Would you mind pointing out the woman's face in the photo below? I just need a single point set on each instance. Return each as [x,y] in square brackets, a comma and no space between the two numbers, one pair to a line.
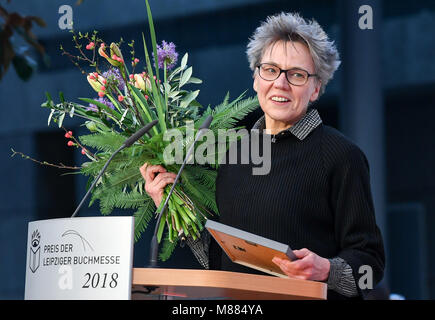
[293,100]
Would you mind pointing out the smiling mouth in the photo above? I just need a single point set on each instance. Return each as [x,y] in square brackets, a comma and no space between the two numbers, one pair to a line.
[280,99]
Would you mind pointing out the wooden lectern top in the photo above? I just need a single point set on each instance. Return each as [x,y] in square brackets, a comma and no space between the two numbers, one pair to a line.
[212,284]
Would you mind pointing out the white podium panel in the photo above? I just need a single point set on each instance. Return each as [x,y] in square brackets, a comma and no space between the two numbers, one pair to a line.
[80,258]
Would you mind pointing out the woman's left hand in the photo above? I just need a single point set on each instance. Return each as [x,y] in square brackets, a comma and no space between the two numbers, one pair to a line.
[309,266]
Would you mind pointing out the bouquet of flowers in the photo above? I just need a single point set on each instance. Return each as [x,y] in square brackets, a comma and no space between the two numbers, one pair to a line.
[127,100]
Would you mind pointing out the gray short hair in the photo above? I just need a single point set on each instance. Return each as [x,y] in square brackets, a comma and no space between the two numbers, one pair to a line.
[292,27]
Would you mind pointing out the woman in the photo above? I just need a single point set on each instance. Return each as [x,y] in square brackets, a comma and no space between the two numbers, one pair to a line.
[316,197]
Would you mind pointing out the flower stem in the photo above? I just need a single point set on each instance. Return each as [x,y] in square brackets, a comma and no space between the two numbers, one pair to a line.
[135,109]
[164,88]
[44,163]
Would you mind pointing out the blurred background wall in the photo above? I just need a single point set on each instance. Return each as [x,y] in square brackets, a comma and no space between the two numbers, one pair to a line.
[382,97]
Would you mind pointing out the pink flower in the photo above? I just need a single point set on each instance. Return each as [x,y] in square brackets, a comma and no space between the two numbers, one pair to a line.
[101,94]
[135,62]
[139,83]
[96,81]
[70,143]
[115,58]
[120,98]
[83,151]
[90,46]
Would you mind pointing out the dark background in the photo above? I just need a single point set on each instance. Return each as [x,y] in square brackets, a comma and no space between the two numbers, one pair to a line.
[393,125]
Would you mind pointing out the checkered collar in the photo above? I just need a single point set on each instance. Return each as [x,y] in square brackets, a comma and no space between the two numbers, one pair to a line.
[301,129]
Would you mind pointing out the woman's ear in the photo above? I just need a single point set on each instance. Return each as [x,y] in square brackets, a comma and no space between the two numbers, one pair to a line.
[316,91]
[255,84]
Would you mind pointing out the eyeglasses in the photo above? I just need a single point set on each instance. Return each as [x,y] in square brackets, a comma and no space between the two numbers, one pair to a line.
[295,76]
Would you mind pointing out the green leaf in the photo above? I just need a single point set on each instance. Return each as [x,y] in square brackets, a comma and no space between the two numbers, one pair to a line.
[60,120]
[123,178]
[48,97]
[102,106]
[199,192]
[167,248]
[49,102]
[142,217]
[194,80]
[115,103]
[155,91]
[167,87]
[186,76]
[50,116]
[107,141]
[140,99]
[227,116]
[153,37]
[120,199]
[71,113]
[174,73]
[184,61]
[161,227]
[189,98]
[173,94]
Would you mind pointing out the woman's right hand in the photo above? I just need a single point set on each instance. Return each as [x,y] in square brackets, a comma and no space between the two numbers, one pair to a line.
[156,179]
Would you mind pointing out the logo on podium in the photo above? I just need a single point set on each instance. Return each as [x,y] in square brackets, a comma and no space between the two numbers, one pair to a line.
[35,252]
[80,258]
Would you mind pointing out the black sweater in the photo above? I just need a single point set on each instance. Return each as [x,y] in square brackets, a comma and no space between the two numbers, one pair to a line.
[316,196]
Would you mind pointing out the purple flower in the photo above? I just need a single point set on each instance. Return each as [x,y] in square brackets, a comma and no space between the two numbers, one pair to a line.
[93,107]
[113,77]
[166,52]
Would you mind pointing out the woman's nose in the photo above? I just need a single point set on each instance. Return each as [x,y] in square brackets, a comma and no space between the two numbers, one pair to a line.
[281,81]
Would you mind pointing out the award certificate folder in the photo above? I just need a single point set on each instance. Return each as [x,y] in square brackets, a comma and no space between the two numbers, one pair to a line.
[249,249]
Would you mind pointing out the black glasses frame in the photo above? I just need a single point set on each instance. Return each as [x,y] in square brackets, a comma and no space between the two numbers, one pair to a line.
[285,72]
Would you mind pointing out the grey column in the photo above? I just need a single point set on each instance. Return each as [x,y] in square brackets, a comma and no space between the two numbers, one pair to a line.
[361,101]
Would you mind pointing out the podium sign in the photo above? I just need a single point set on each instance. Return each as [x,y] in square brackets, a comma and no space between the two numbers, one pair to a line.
[80,258]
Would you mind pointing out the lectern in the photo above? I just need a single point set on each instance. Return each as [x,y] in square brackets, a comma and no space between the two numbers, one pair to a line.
[92,258]
[150,283]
